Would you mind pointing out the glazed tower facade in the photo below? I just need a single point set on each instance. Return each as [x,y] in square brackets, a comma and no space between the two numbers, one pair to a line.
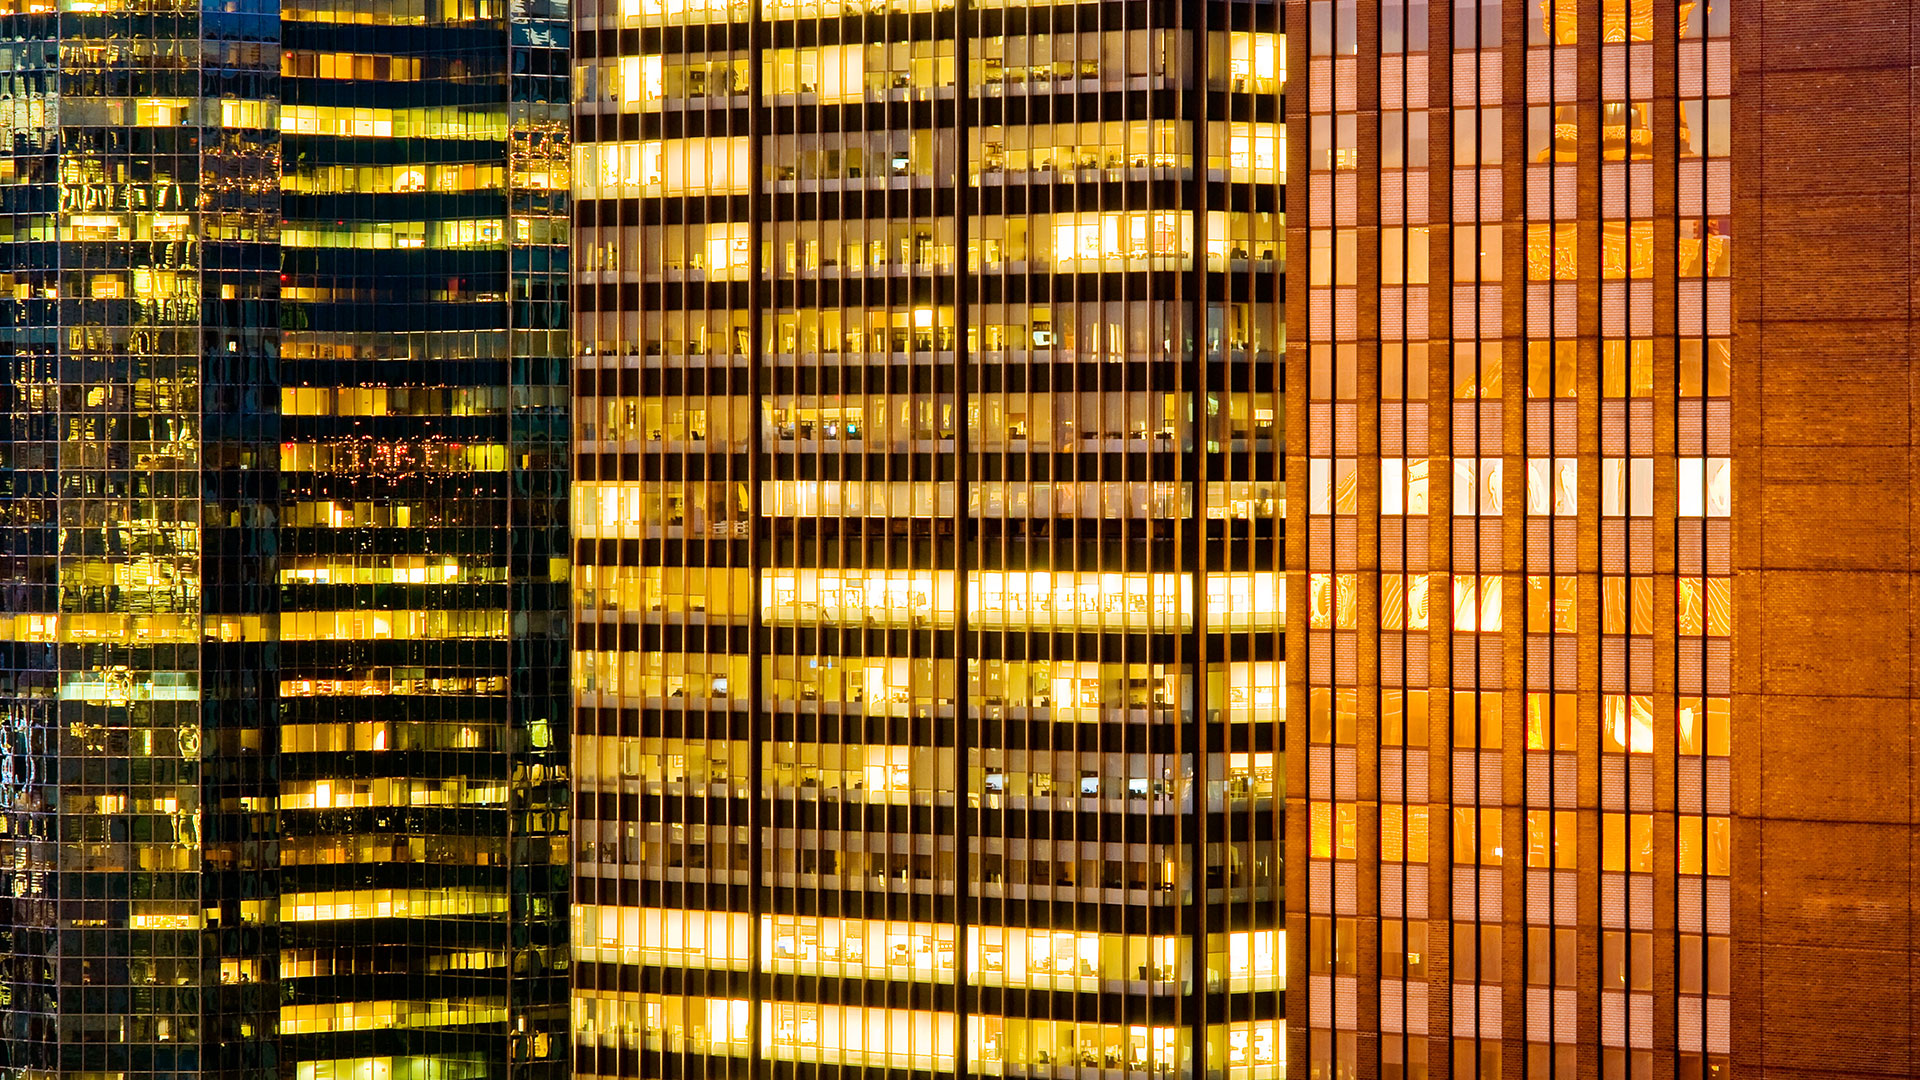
[1510,396]
[927,527]
[422,665]
[139,164]
[286,577]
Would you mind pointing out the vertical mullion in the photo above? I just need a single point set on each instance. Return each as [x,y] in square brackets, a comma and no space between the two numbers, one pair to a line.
[1194,19]
[758,731]
[964,730]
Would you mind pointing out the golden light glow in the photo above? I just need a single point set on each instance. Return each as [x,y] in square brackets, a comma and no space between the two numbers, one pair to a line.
[376,67]
[236,113]
[398,681]
[81,629]
[386,1014]
[832,73]
[394,625]
[661,937]
[389,791]
[1091,241]
[389,904]
[440,122]
[1010,599]
[394,570]
[713,166]
[379,457]
[394,178]
[1256,63]
[388,235]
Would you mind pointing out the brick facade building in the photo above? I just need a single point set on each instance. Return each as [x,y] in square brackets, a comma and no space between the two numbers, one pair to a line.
[1825,129]
[1605,767]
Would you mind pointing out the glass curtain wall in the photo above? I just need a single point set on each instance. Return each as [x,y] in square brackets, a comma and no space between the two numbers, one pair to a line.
[138,319]
[421,558]
[285,634]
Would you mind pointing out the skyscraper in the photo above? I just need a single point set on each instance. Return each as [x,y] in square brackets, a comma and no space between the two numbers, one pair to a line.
[1509,386]
[285,753]
[927,521]
[139,323]
[423,650]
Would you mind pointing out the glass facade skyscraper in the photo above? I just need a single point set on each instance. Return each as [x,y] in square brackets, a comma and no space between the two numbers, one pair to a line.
[422,556]
[927,524]
[285,747]
[139,162]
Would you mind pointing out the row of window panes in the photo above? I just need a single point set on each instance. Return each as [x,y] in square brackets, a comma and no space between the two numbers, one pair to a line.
[1552,956]
[1705,486]
[1112,332]
[874,71]
[1085,241]
[1627,366]
[882,771]
[1553,721]
[1245,152]
[997,956]
[899,1038]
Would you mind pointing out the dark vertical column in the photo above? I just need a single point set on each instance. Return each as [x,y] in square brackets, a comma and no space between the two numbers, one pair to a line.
[30,430]
[758,892]
[965,731]
[1195,738]
[240,484]
[538,435]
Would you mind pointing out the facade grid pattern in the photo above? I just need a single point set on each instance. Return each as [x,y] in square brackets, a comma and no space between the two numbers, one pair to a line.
[282,464]
[928,529]
[1514,401]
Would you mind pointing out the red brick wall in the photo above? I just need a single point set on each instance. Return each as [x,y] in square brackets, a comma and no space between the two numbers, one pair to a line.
[1825,132]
